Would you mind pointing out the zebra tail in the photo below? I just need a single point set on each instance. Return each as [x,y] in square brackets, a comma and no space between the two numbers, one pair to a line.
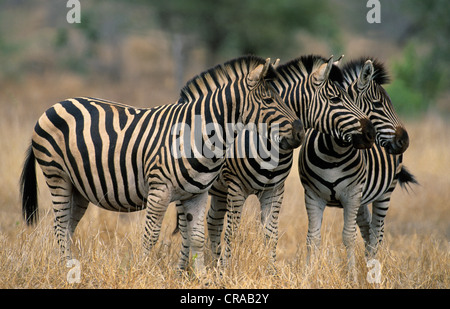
[28,189]
[405,179]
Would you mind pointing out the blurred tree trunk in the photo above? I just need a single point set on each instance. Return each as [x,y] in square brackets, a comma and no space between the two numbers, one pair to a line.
[180,49]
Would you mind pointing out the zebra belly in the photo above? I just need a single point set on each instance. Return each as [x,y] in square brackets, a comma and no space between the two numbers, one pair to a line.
[252,176]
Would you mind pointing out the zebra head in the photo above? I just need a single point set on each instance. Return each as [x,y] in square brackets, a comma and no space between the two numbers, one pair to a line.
[363,80]
[264,105]
[309,85]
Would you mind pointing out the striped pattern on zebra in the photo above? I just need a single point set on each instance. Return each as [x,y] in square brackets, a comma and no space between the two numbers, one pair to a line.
[334,173]
[121,158]
[308,86]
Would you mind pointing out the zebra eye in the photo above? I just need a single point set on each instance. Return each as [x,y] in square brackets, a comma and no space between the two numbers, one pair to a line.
[335,100]
[269,101]
[377,104]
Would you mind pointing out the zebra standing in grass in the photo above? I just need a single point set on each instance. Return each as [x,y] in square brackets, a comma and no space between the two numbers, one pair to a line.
[334,173]
[307,85]
[122,158]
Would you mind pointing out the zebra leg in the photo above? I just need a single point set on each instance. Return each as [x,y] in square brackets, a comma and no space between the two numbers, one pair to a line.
[271,201]
[351,207]
[69,207]
[363,220]
[314,208]
[182,225]
[61,190]
[159,198]
[235,202]
[379,210]
[194,211]
[79,207]
[215,218]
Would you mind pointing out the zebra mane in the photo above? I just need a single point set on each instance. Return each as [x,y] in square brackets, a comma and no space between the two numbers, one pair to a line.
[352,69]
[220,75]
[310,63]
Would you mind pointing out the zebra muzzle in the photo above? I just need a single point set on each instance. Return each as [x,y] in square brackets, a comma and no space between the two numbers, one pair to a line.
[399,143]
[296,137]
[366,138]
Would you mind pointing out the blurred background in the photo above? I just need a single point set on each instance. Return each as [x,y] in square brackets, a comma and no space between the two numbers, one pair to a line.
[143,52]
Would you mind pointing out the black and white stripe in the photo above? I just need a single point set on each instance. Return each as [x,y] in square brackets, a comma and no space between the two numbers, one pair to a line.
[309,86]
[334,173]
[121,158]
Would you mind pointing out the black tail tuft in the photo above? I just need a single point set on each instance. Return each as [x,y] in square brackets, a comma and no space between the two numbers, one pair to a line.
[28,189]
[405,178]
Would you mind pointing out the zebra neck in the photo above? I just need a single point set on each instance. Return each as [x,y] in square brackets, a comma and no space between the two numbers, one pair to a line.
[330,146]
[290,85]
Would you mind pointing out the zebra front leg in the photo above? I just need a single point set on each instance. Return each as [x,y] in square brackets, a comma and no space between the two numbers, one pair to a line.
[182,226]
[194,210]
[215,219]
[363,220]
[271,201]
[379,211]
[349,232]
[314,208]
[235,202]
[159,198]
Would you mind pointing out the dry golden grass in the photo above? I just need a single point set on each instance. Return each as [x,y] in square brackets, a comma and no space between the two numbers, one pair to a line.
[415,253]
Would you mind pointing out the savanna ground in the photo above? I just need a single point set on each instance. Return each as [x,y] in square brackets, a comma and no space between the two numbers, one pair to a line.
[414,254]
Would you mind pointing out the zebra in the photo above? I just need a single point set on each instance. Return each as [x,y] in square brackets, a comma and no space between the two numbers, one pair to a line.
[308,85]
[123,159]
[333,173]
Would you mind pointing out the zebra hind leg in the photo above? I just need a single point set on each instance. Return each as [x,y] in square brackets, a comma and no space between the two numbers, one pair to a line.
[69,207]
[194,232]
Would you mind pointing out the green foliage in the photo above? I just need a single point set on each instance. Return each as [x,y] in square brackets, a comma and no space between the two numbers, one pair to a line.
[407,101]
[418,81]
[249,26]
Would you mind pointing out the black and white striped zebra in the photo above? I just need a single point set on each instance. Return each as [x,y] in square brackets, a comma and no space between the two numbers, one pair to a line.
[334,173]
[308,86]
[122,158]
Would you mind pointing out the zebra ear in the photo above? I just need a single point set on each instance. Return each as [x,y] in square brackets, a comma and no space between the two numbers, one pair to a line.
[258,73]
[322,73]
[276,63]
[366,74]
[339,60]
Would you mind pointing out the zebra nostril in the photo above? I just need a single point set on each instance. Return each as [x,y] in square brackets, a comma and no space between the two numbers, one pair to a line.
[370,135]
[401,138]
[368,131]
[297,129]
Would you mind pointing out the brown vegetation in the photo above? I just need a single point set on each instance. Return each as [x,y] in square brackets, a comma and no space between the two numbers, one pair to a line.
[415,253]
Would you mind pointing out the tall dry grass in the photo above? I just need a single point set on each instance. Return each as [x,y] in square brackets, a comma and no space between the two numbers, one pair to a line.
[415,252]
